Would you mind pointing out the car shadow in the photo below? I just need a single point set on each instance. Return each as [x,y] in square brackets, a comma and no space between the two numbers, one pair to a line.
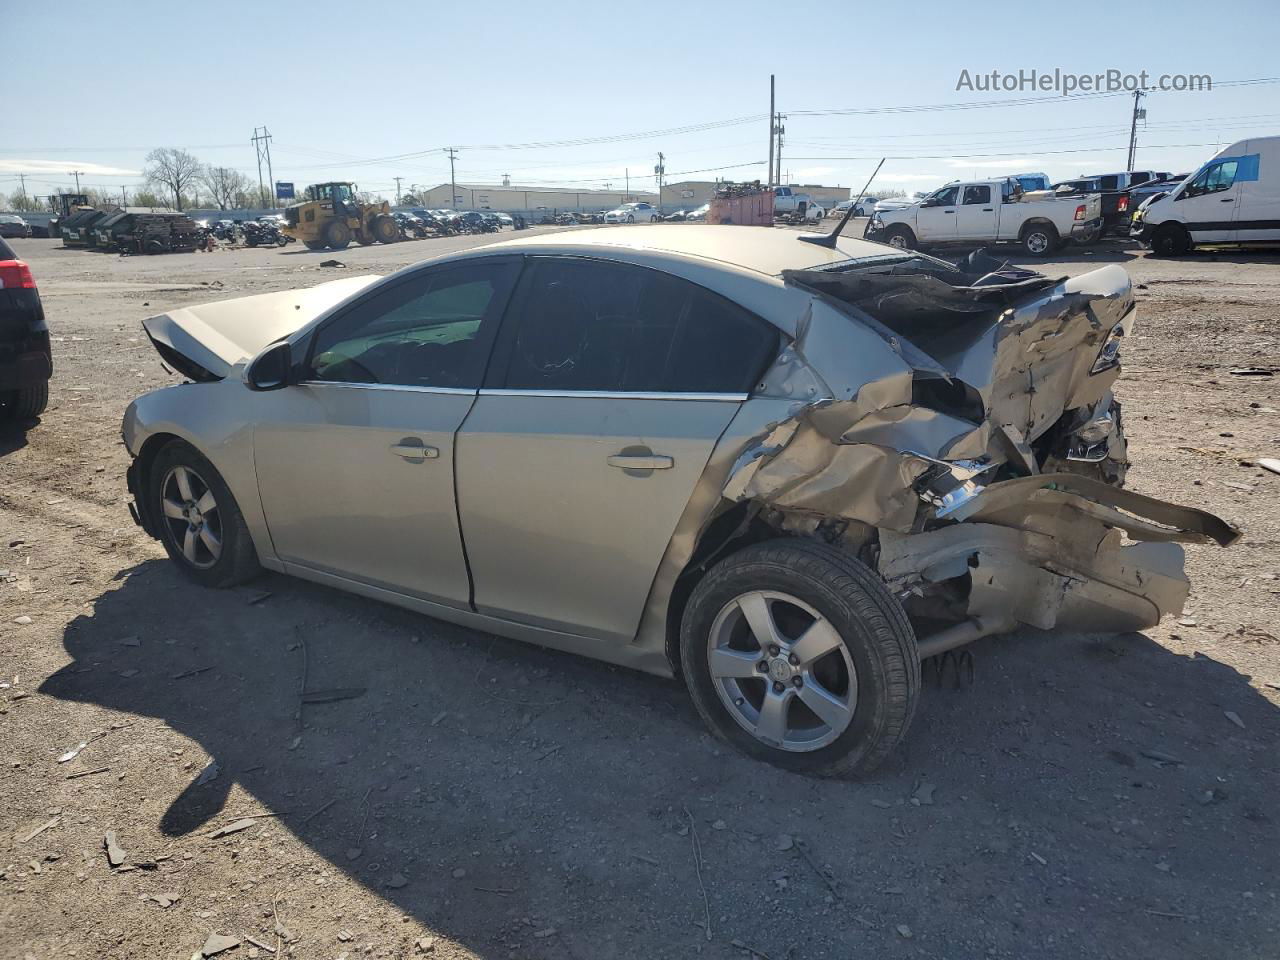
[13,432]
[474,782]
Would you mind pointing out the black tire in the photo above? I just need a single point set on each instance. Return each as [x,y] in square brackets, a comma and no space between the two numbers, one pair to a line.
[905,239]
[337,235]
[282,241]
[27,403]
[364,238]
[313,244]
[1170,240]
[385,229]
[1039,239]
[631,218]
[250,241]
[873,629]
[238,560]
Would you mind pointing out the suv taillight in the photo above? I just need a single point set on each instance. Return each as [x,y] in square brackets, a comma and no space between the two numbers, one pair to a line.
[1080,212]
[15,275]
[1123,205]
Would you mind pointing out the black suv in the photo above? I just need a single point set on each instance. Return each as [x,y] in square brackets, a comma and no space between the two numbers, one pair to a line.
[26,363]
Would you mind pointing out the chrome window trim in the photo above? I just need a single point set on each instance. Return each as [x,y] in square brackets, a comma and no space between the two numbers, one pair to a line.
[615,395]
[407,388]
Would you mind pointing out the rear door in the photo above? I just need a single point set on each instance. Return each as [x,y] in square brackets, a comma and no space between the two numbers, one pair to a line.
[977,215]
[608,390]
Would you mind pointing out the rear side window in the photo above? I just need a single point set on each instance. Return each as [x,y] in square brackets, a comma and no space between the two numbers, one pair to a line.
[1109,182]
[6,251]
[977,194]
[590,325]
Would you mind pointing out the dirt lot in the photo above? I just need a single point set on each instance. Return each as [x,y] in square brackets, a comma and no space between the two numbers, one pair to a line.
[1087,796]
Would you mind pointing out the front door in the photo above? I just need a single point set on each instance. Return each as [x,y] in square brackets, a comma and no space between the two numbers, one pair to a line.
[936,216]
[1258,205]
[608,390]
[355,463]
[976,217]
[1207,205]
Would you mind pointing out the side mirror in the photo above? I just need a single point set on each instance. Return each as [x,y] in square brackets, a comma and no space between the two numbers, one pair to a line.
[269,370]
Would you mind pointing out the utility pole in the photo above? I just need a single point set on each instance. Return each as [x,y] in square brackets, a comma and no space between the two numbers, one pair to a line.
[782,129]
[658,171]
[397,180]
[627,173]
[76,174]
[1138,114]
[262,147]
[453,180]
[22,186]
[772,131]
[124,198]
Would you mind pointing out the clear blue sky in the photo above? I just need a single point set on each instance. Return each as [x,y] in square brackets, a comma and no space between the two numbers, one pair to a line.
[342,86]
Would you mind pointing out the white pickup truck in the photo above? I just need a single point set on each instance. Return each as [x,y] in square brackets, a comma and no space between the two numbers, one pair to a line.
[787,202]
[988,211]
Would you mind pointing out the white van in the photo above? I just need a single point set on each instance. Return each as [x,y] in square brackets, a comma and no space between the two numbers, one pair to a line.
[1232,199]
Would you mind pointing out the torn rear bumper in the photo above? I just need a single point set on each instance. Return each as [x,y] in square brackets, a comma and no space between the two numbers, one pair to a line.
[1047,551]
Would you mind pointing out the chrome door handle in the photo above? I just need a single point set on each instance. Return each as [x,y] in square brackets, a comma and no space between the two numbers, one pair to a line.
[411,449]
[651,461]
[988,209]
[1227,200]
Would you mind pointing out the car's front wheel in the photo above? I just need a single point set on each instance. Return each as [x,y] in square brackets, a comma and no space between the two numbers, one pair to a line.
[797,654]
[199,521]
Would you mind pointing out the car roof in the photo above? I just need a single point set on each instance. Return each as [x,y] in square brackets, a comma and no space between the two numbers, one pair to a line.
[767,250]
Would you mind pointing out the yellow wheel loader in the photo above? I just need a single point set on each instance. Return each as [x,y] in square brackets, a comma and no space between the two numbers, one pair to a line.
[332,217]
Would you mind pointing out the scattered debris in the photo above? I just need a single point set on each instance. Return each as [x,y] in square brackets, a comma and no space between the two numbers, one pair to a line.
[24,619]
[330,696]
[1039,859]
[882,804]
[258,597]
[87,773]
[218,943]
[459,873]
[500,891]
[545,932]
[208,774]
[115,853]
[397,881]
[697,867]
[244,823]
[1170,916]
[190,673]
[785,842]
[425,944]
[332,263]
[1268,463]
[904,931]
[751,950]
[1160,756]
[346,936]
[312,816]
[719,825]
[166,900]
[652,861]
[133,641]
[1247,371]
[923,795]
[822,874]
[259,944]
[1234,718]
[47,825]
[435,722]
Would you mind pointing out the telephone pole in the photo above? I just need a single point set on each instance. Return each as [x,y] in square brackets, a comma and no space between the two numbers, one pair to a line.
[1138,114]
[769,175]
[76,174]
[778,156]
[627,174]
[397,180]
[658,171]
[453,180]
[22,186]
[262,147]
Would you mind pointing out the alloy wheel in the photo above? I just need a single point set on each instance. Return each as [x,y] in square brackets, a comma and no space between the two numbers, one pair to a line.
[191,514]
[782,671]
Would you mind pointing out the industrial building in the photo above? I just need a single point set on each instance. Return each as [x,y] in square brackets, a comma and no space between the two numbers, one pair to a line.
[684,195]
[488,196]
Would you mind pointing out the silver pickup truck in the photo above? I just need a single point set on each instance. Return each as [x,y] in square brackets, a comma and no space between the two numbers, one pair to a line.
[983,212]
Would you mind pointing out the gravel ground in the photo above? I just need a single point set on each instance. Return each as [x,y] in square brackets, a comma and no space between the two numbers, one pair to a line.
[1086,796]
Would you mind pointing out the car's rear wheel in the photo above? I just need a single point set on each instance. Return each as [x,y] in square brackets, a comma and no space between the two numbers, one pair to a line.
[1040,239]
[313,244]
[797,654]
[28,402]
[199,521]
[337,235]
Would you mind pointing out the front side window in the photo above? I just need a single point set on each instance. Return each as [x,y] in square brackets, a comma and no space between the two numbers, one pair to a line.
[945,197]
[592,325]
[1213,179]
[433,330]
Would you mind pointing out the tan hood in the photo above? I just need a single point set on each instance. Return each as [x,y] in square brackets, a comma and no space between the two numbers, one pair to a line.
[204,342]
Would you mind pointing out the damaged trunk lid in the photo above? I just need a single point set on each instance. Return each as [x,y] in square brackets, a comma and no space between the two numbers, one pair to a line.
[205,342]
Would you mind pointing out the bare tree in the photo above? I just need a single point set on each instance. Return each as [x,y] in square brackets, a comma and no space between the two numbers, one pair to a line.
[145,198]
[24,202]
[225,184]
[172,170]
